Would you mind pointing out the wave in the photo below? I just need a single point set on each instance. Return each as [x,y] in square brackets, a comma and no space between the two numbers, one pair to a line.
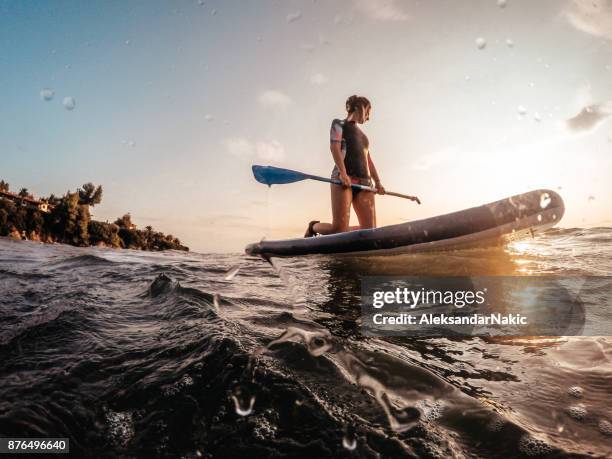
[23,275]
[79,261]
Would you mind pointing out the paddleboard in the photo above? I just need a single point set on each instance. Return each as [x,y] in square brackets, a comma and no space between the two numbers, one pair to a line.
[495,223]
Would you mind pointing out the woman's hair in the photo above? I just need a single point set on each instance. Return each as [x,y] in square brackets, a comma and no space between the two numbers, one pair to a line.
[353,102]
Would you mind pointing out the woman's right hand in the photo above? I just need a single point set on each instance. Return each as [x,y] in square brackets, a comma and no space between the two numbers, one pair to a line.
[345,179]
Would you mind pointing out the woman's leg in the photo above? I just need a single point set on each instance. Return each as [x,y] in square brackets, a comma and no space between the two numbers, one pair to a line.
[341,211]
[365,207]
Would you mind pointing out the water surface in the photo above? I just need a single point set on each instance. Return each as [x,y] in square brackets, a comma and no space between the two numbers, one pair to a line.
[174,354]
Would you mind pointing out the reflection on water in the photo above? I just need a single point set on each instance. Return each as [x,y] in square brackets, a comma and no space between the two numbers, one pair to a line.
[522,380]
[194,355]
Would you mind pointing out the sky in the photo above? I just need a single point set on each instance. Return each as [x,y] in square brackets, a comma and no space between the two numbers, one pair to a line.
[168,104]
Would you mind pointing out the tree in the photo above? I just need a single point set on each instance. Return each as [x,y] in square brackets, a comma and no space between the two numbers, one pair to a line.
[106,233]
[132,239]
[70,220]
[53,200]
[4,186]
[125,221]
[4,219]
[89,195]
[24,193]
[34,221]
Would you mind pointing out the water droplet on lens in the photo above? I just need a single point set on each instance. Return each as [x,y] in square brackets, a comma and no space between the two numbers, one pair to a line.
[47,94]
[243,403]
[605,427]
[481,43]
[509,43]
[545,200]
[577,412]
[208,117]
[502,3]
[591,198]
[537,117]
[292,17]
[539,217]
[522,111]
[575,391]
[349,443]
[318,345]
[213,12]
[532,446]
[232,273]
[69,103]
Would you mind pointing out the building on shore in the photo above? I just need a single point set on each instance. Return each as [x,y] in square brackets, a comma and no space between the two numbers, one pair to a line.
[41,205]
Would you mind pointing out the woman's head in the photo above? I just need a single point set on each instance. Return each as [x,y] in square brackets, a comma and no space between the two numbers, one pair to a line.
[358,108]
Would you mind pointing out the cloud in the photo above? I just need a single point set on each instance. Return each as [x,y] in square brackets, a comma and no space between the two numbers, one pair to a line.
[382,10]
[590,117]
[590,16]
[270,151]
[273,99]
[318,79]
[243,148]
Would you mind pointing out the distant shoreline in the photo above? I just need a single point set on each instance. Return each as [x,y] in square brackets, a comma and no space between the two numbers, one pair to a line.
[67,220]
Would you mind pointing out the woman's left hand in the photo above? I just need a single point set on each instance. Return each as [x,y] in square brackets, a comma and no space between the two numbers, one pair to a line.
[379,188]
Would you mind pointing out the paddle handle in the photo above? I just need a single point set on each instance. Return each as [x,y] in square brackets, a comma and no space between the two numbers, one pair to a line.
[405,196]
[364,188]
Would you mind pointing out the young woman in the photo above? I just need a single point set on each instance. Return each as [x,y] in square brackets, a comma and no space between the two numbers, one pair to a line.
[350,150]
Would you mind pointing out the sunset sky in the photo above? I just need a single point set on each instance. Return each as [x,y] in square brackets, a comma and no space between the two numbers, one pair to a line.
[174,101]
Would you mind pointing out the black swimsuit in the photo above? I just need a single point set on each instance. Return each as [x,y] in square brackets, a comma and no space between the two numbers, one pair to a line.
[354,146]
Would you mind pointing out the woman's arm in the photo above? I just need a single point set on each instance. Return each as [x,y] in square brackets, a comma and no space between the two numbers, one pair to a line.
[335,138]
[374,174]
[336,150]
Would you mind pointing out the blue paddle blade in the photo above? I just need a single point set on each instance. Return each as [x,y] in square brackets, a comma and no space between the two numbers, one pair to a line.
[270,175]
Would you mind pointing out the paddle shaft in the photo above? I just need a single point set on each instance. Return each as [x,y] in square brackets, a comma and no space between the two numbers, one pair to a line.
[362,187]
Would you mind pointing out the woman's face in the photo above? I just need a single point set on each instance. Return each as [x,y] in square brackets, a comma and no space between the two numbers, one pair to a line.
[364,114]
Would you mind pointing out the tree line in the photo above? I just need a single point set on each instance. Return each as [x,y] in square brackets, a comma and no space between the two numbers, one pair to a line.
[69,222]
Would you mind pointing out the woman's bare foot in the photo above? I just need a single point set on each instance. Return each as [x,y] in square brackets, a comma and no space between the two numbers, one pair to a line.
[310,232]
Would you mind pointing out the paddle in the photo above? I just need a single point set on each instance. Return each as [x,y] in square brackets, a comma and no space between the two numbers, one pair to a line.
[270,175]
